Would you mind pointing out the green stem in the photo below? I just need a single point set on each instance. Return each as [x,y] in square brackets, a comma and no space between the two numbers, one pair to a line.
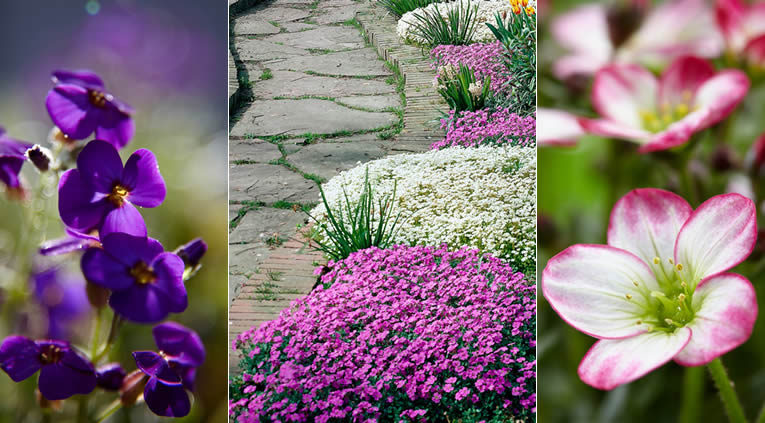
[693,389]
[109,410]
[761,415]
[115,327]
[727,394]
[96,333]
[82,410]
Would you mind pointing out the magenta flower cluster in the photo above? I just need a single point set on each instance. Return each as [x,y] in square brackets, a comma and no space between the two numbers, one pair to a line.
[407,333]
[484,59]
[482,127]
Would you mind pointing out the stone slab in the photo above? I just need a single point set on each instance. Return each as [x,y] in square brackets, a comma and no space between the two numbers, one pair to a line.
[329,159]
[362,62]
[258,225]
[372,102]
[333,15]
[296,26]
[333,38]
[297,117]
[297,84]
[269,184]
[252,50]
[257,151]
[251,26]
[275,13]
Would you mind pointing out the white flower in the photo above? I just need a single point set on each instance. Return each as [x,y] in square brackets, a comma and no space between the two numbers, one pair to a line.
[486,13]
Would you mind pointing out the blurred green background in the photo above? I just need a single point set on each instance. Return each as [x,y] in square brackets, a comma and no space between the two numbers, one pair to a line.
[168,60]
[577,188]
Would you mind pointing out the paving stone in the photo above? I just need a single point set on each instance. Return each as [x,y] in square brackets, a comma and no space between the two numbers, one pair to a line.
[233,211]
[329,159]
[252,26]
[296,26]
[345,63]
[297,117]
[257,151]
[337,3]
[275,13]
[291,2]
[269,183]
[235,283]
[258,225]
[333,15]
[372,102]
[296,84]
[259,50]
[333,38]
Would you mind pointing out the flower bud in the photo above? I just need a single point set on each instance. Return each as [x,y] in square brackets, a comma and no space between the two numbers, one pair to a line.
[110,376]
[132,387]
[724,158]
[40,156]
[192,252]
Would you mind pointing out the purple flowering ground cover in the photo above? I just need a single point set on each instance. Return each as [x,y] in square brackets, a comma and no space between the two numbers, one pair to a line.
[484,59]
[487,127]
[403,334]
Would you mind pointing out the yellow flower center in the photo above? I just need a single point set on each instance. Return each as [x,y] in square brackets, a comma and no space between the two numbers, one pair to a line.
[118,195]
[143,273]
[50,354]
[97,98]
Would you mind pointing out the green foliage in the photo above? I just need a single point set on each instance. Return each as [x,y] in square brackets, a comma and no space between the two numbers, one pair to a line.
[519,36]
[351,228]
[456,29]
[455,88]
[399,7]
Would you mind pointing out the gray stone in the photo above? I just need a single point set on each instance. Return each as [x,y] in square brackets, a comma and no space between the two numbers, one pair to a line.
[259,50]
[258,225]
[345,63]
[296,84]
[337,3]
[372,102]
[290,2]
[257,151]
[329,159]
[235,283]
[326,37]
[233,211]
[275,13]
[269,183]
[297,26]
[332,15]
[297,117]
[254,27]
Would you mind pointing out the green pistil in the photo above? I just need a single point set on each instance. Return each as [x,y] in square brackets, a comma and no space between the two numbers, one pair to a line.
[671,306]
[658,120]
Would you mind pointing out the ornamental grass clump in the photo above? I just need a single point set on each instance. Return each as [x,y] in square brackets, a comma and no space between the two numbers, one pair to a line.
[405,334]
[399,7]
[487,127]
[456,27]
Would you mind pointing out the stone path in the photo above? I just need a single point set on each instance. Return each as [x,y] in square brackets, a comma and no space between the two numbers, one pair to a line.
[313,98]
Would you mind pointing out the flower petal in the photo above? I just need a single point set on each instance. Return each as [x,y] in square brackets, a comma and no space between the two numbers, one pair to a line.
[556,127]
[646,222]
[140,304]
[125,219]
[730,18]
[166,400]
[65,245]
[613,362]
[727,310]
[84,78]
[100,166]
[587,286]
[78,206]
[19,357]
[62,380]
[70,109]
[130,249]
[169,269]
[621,92]
[105,270]
[155,366]
[143,180]
[611,129]
[584,30]
[755,52]
[720,234]
[115,127]
[180,342]
[681,79]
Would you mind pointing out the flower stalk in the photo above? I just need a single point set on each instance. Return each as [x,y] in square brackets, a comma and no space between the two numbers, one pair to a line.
[727,394]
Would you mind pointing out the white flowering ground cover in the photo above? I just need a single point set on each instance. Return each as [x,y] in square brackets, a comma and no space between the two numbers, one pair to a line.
[486,13]
[478,197]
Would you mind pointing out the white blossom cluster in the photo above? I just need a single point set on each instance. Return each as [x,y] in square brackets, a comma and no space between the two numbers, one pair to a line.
[478,197]
[486,12]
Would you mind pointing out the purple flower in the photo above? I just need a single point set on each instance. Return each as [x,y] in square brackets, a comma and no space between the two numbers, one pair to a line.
[73,241]
[12,157]
[110,376]
[171,370]
[101,193]
[192,252]
[146,282]
[79,106]
[63,371]
[63,298]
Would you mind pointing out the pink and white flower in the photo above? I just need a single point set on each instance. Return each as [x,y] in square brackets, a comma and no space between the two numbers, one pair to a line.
[662,113]
[743,28]
[659,290]
[673,29]
[557,128]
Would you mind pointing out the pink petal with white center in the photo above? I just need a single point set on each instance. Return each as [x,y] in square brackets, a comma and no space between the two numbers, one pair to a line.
[678,84]
[621,92]
[611,129]
[556,127]
[584,31]
[727,310]
[720,234]
[729,15]
[754,21]
[613,362]
[592,288]
[646,222]
[755,52]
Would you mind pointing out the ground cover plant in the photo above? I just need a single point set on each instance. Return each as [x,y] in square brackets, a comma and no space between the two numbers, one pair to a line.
[487,127]
[403,334]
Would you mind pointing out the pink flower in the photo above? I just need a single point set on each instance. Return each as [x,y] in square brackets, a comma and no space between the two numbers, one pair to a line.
[558,128]
[672,29]
[743,28]
[660,114]
[658,291]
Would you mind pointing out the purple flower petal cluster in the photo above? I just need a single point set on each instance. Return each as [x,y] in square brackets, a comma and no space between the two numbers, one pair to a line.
[482,127]
[63,299]
[12,157]
[404,333]
[484,59]
[79,105]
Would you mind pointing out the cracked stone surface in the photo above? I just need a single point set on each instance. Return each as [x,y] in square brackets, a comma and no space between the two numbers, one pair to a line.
[255,27]
[259,50]
[333,15]
[297,26]
[329,159]
[295,117]
[276,13]
[262,223]
[372,102]
[324,37]
[257,151]
[269,184]
[345,63]
[296,84]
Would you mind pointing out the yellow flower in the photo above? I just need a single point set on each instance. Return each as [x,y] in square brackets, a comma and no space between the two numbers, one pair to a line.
[530,11]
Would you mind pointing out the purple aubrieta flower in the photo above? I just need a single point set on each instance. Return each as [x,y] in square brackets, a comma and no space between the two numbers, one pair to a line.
[71,242]
[79,106]
[11,159]
[101,192]
[63,371]
[171,369]
[146,282]
[110,376]
[64,299]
